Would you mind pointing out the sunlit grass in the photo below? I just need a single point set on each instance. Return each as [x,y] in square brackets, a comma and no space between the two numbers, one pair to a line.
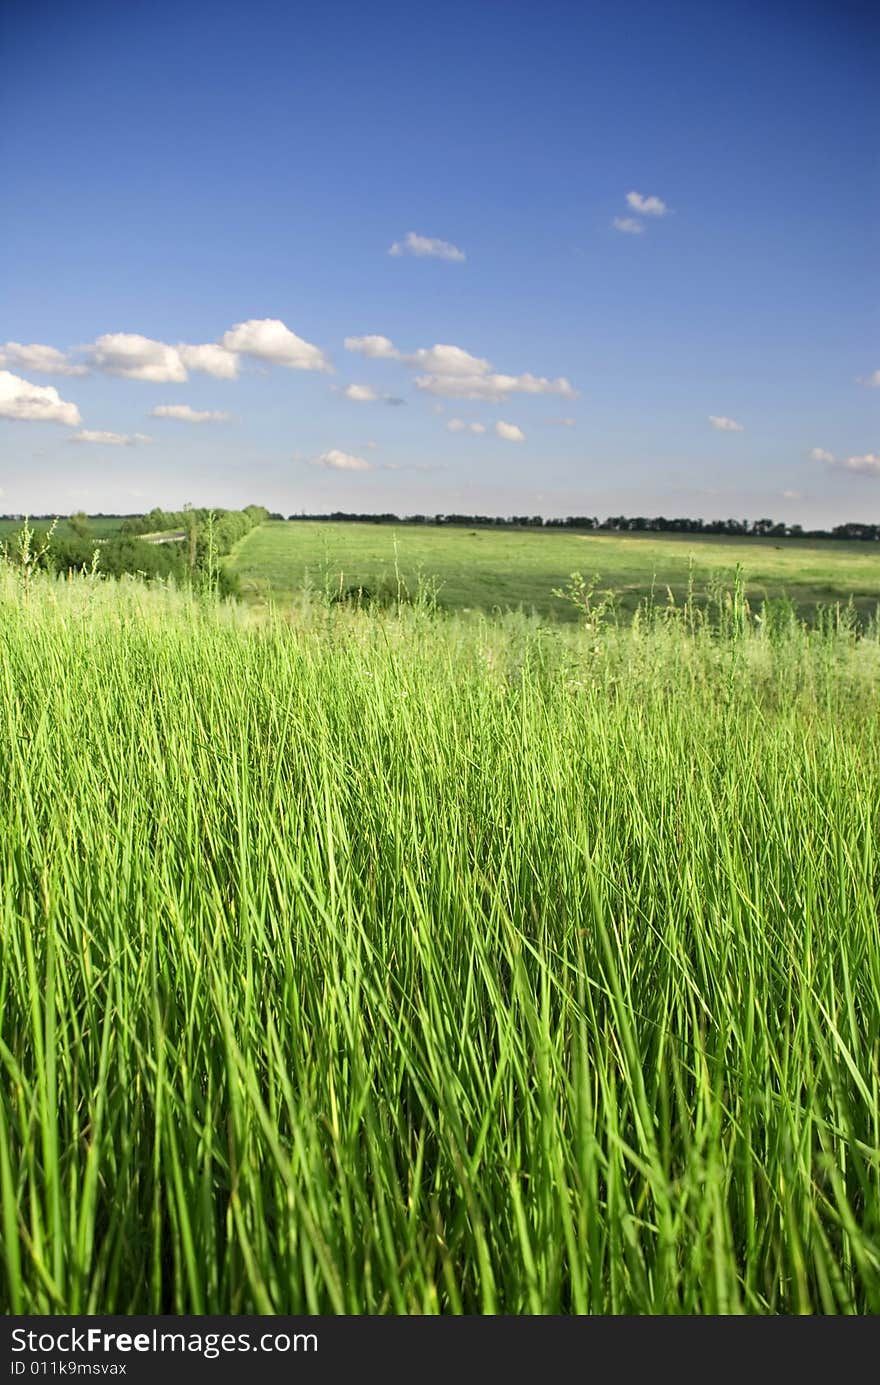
[398,963]
[496,569]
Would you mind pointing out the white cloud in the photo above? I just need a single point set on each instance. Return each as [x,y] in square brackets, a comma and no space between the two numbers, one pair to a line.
[135,357]
[129,355]
[869,464]
[20,399]
[374,347]
[110,439]
[184,414]
[819,454]
[138,358]
[342,461]
[872,380]
[792,495]
[43,360]
[268,339]
[448,360]
[492,387]
[629,224]
[648,206]
[458,374]
[458,425]
[509,432]
[370,446]
[360,394]
[423,246]
[211,359]
[562,422]
[725,425]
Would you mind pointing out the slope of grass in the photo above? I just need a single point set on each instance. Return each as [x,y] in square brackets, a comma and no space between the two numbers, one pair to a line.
[390,963]
[489,569]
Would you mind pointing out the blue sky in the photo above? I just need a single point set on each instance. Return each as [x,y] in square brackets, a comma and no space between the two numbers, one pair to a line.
[629,221]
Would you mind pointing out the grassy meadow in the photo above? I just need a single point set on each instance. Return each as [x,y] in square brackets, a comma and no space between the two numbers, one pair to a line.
[399,961]
[99,526]
[500,570]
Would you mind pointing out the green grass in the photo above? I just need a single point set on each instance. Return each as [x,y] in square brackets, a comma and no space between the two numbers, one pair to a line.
[399,963]
[505,570]
[99,527]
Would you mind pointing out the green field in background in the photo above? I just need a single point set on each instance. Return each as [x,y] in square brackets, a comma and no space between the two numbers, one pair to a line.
[504,569]
[100,526]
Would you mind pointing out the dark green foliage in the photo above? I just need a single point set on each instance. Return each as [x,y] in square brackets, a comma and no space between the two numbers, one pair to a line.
[229,525]
[118,556]
[210,535]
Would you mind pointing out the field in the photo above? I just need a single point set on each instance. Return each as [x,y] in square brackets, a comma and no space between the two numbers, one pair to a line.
[101,526]
[393,961]
[502,570]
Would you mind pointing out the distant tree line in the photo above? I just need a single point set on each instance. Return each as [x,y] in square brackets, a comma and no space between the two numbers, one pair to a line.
[231,525]
[619,524]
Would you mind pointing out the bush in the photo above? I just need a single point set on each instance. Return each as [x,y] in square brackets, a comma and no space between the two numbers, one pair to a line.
[216,533]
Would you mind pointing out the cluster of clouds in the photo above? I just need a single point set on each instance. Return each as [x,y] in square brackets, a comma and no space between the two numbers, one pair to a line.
[453,373]
[131,356]
[868,464]
[443,370]
[645,206]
